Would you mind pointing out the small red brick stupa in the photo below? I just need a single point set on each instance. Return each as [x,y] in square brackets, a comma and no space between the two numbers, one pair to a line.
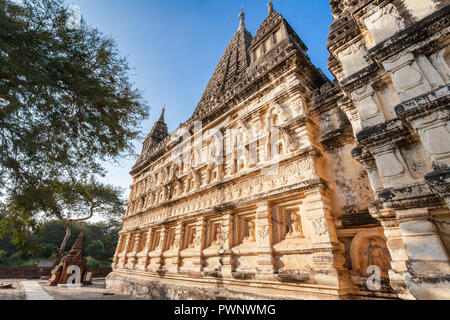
[75,257]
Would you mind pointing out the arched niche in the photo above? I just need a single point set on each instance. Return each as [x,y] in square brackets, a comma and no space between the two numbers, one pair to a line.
[369,248]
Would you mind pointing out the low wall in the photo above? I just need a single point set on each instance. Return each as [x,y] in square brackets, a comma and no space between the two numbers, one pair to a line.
[36,273]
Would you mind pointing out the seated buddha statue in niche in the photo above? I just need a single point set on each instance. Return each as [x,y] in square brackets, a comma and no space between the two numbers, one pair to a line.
[217,235]
[250,233]
[295,228]
[192,238]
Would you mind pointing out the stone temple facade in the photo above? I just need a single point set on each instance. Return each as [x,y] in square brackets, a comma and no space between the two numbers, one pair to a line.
[286,185]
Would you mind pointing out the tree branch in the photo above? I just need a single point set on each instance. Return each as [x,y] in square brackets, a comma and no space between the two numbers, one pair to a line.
[88,217]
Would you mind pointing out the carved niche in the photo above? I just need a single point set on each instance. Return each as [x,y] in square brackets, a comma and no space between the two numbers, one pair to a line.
[278,139]
[245,229]
[193,180]
[369,248]
[407,77]
[192,237]
[241,155]
[213,232]
[420,8]
[215,162]
[170,239]
[287,224]
[392,167]
[434,130]
[369,106]
[155,240]
[354,58]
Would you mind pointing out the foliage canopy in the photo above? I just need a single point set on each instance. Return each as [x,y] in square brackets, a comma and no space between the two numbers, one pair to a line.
[66,105]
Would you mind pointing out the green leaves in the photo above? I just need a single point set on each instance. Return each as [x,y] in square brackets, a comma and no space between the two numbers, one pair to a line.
[100,241]
[95,249]
[67,104]
[70,101]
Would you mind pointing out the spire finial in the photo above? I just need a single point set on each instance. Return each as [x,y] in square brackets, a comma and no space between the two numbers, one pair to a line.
[270,8]
[161,118]
[78,245]
[242,19]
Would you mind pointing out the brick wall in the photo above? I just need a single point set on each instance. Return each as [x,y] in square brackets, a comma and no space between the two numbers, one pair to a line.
[36,273]
[100,272]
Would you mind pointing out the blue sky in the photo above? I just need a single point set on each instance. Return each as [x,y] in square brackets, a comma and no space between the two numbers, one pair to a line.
[173,47]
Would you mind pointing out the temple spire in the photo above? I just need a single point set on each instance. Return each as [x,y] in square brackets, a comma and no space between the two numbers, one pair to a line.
[78,245]
[157,134]
[270,8]
[161,118]
[241,19]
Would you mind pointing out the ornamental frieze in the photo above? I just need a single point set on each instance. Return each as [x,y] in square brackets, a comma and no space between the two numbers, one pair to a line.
[287,174]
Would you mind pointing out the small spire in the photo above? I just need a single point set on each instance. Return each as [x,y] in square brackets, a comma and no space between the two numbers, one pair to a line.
[161,118]
[78,245]
[242,19]
[270,8]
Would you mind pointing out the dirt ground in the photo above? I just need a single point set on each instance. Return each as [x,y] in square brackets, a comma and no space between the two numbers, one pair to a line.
[96,291]
[16,293]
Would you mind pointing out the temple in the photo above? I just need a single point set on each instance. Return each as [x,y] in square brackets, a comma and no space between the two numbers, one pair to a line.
[286,185]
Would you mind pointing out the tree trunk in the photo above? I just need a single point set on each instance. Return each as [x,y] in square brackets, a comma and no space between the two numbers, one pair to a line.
[67,223]
[60,253]
[66,238]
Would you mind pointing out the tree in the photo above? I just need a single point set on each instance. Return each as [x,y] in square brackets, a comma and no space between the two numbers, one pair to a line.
[80,202]
[3,256]
[107,233]
[49,234]
[95,249]
[74,203]
[66,105]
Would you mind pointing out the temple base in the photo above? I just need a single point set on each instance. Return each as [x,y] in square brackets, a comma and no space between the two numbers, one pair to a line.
[175,287]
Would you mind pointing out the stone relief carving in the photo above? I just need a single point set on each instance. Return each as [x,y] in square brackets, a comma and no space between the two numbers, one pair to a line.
[225,236]
[194,176]
[382,22]
[354,58]
[319,225]
[374,254]
[264,232]
[275,113]
[369,105]
[299,107]
[292,145]
[215,159]
[369,248]
[389,164]
[286,174]
[407,77]
[175,243]
[434,130]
